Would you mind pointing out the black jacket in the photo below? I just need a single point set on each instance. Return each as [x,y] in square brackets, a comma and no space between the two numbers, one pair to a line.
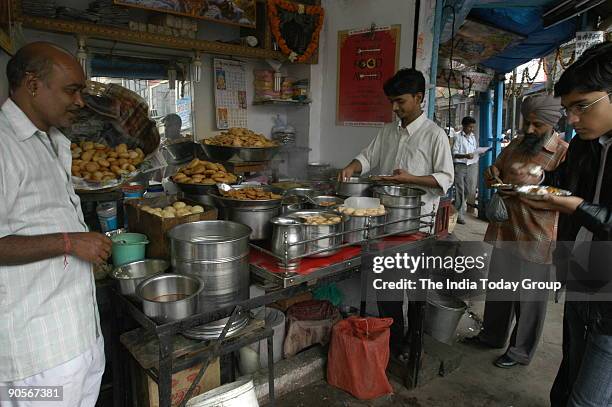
[578,174]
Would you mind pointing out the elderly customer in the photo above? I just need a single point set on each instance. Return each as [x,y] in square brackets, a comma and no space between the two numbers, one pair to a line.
[524,242]
[49,324]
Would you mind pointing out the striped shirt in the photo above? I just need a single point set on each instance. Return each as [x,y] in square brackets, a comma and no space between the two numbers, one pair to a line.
[421,148]
[532,231]
[48,312]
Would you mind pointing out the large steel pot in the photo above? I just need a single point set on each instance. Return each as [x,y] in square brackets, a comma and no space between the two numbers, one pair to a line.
[129,275]
[254,213]
[288,230]
[399,196]
[169,297]
[320,231]
[407,227]
[215,251]
[353,186]
[358,222]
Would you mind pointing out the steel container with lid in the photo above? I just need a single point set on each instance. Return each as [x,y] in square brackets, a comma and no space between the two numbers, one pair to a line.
[215,251]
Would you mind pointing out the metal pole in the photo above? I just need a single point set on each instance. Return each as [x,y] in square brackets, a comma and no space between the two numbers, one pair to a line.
[485,104]
[431,101]
[513,108]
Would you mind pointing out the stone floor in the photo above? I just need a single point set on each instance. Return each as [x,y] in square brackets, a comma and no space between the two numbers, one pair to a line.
[477,382]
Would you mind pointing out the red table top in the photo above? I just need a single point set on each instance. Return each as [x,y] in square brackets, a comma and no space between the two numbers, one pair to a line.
[309,265]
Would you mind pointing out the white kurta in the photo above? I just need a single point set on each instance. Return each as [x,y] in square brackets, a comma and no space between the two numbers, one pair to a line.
[422,148]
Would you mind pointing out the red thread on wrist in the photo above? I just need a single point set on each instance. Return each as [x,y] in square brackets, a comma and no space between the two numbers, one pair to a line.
[67,248]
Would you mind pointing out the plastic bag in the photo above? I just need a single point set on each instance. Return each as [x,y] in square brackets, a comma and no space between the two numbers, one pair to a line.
[496,210]
[308,323]
[358,357]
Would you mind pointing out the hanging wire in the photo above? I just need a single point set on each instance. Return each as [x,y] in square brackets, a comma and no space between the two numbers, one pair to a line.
[451,72]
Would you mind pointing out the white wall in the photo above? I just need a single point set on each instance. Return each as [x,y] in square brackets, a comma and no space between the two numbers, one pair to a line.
[339,144]
[4,57]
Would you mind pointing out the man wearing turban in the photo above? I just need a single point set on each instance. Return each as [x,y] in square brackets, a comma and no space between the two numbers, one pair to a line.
[523,243]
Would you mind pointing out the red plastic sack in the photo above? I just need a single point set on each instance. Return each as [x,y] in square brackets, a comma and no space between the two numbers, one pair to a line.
[358,357]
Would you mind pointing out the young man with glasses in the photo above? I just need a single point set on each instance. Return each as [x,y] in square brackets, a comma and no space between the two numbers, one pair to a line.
[585,227]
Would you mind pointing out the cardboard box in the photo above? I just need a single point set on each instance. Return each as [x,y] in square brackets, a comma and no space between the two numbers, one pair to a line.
[183,379]
[156,227]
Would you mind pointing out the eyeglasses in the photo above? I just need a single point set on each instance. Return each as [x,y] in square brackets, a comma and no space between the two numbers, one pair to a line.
[577,110]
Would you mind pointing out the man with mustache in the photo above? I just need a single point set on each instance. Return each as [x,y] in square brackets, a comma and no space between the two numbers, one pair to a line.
[522,244]
[49,324]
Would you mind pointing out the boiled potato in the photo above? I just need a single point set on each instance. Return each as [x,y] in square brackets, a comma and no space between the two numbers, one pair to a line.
[179,205]
[197,209]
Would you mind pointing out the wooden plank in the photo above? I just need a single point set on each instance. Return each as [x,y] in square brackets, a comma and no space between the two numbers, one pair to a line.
[144,346]
[146,38]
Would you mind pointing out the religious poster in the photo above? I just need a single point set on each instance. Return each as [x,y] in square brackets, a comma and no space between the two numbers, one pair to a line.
[366,59]
[237,12]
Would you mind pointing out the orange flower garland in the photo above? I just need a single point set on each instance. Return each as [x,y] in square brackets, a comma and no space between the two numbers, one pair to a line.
[295,8]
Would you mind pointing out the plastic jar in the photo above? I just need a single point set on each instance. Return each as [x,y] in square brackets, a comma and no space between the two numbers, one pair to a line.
[107,215]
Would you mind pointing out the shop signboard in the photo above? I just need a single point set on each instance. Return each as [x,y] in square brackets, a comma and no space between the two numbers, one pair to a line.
[467,80]
[183,109]
[586,39]
[366,59]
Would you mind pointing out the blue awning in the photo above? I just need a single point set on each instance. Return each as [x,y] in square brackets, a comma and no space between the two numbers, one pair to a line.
[522,17]
[528,22]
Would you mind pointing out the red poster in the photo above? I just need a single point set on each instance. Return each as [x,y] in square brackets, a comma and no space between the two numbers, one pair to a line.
[366,59]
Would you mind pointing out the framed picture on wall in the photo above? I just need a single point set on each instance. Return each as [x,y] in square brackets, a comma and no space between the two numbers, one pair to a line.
[235,12]
[6,41]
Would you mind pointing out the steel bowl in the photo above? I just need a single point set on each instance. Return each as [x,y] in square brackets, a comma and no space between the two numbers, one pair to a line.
[180,152]
[302,191]
[326,201]
[320,231]
[247,154]
[169,297]
[129,275]
[398,196]
[353,186]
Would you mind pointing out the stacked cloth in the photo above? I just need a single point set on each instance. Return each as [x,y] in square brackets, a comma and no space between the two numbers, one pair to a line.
[110,14]
[41,8]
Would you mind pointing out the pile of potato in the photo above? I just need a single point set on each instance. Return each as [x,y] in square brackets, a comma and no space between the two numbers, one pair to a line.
[98,162]
[362,212]
[176,210]
[321,220]
[250,194]
[204,173]
[239,137]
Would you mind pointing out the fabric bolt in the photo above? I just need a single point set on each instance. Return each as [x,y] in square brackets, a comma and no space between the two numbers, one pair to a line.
[48,311]
[421,148]
[79,379]
[545,107]
[532,232]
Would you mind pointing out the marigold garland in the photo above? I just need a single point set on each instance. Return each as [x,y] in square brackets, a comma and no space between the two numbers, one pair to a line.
[295,8]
